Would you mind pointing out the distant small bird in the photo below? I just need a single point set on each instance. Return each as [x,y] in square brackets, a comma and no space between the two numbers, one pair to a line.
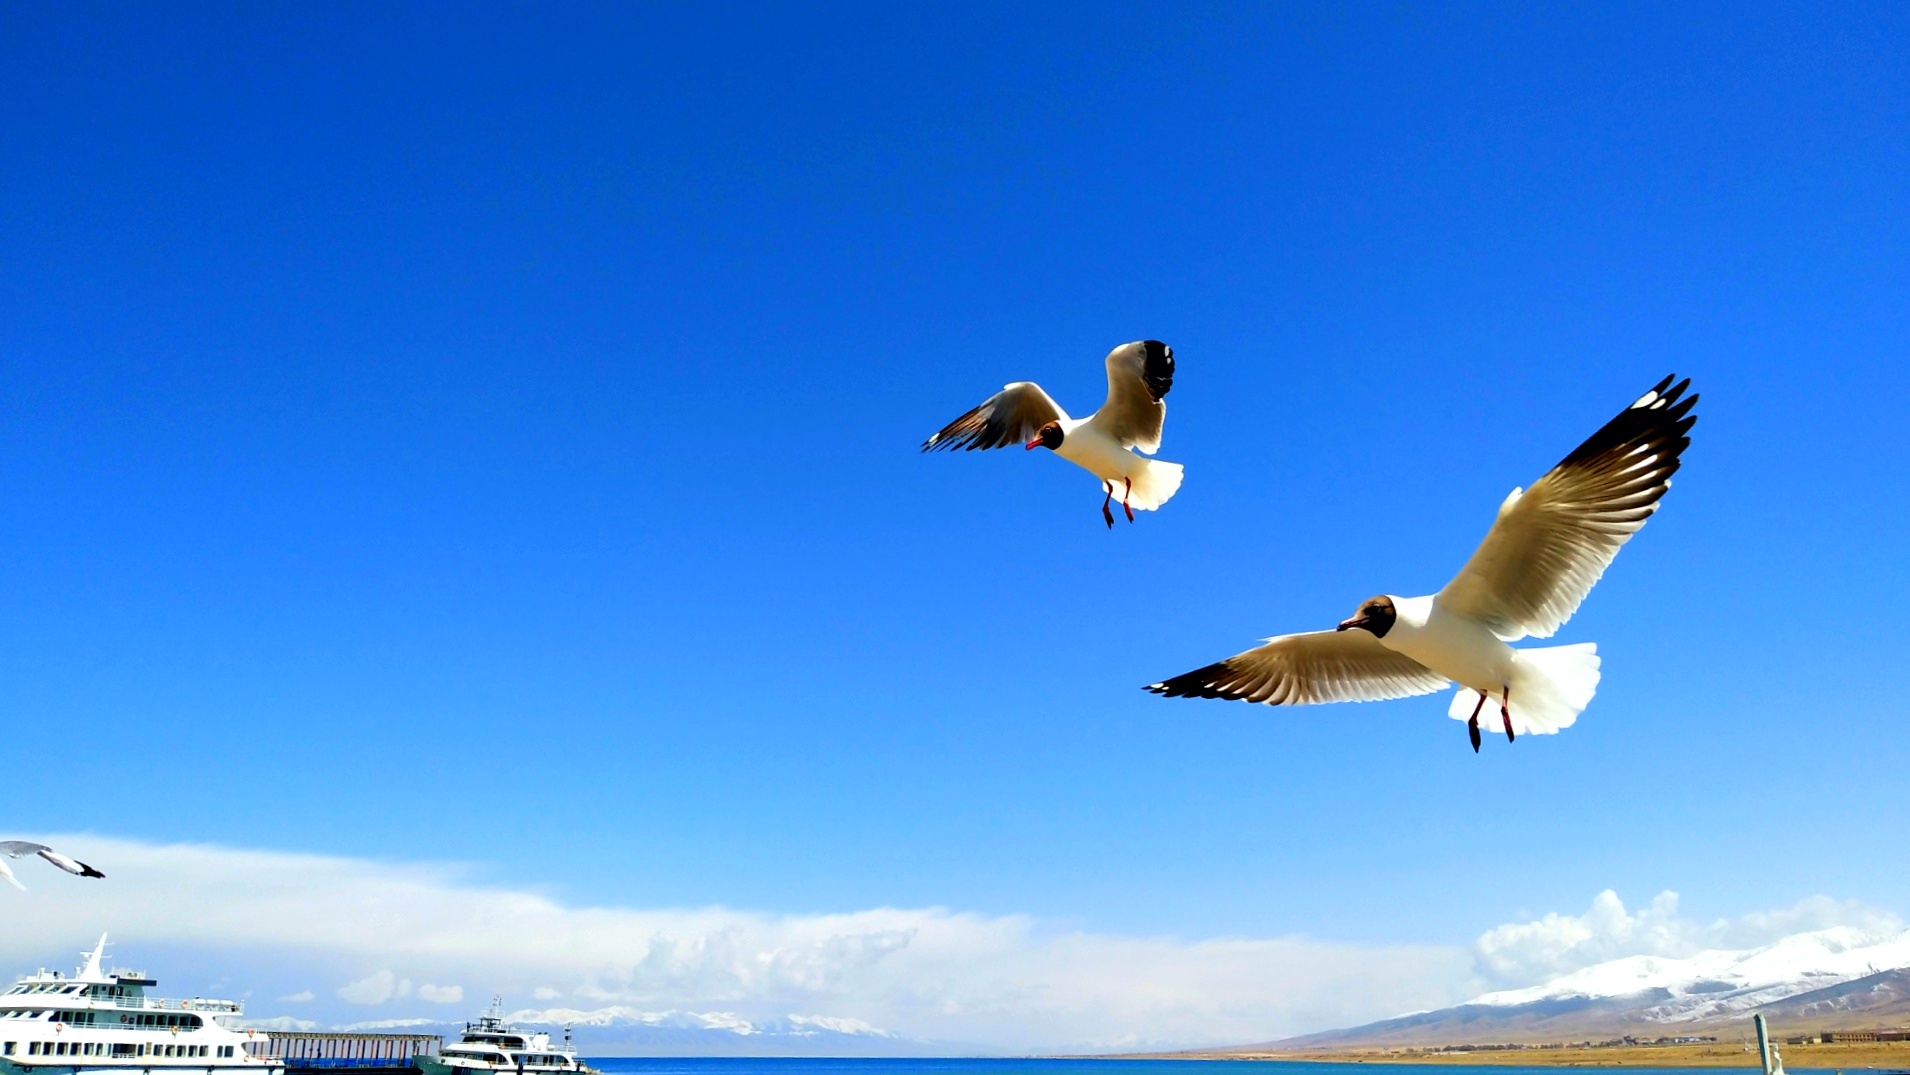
[1548,546]
[19,849]
[1139,375]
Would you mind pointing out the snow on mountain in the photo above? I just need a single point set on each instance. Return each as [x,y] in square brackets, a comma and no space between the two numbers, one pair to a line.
[1722,981]
[1840,976]
[801,1026]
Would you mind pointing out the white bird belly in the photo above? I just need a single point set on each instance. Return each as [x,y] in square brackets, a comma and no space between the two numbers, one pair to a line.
[1097,454]
[1456,647]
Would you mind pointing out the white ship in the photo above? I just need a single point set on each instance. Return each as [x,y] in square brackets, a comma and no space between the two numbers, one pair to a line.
[492,1048]
[98,1021]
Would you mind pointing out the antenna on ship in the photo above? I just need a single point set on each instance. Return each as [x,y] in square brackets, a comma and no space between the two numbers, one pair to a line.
[91,968]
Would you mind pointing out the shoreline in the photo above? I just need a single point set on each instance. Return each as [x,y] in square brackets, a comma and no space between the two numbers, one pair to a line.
[1856,1056]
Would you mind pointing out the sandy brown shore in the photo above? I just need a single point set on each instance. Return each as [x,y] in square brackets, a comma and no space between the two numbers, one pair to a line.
[1884,1056]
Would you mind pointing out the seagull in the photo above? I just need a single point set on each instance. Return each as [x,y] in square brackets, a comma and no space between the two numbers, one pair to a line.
[19,849]
[1139,375]
[1547,547]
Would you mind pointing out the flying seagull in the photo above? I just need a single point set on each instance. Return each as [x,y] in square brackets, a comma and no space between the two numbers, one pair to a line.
[19,849]
[1548,546]
[1139,375]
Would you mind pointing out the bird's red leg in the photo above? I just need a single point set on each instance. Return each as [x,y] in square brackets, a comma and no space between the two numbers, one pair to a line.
[1472,726]
[1106,514]
[1124,495]
[1505,711]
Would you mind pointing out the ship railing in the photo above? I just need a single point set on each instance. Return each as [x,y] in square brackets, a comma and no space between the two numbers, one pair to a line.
[155,1004]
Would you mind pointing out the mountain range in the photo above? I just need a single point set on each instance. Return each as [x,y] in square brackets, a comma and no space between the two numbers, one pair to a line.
[1831,979]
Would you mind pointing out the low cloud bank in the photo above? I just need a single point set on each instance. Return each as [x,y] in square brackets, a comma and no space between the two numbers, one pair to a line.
[1528,953]
[341,941]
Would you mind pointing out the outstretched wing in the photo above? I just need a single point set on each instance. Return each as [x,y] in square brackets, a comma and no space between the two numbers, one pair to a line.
[6,874]
[1306,669]
[19,849]
[1010,416]
[1139,375]
[70,865]
[1551,542]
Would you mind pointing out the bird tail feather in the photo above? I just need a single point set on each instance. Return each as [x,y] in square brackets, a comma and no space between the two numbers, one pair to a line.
[1155,483]
[1551,686]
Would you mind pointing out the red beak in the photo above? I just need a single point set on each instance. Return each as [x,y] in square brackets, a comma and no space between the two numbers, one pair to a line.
[1032,445]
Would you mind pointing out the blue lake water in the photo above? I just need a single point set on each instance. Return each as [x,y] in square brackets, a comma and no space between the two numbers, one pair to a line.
[1010,1066]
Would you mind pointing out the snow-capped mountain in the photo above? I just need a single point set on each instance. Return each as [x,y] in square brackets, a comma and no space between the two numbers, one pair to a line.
[1723,982]
[1826,979]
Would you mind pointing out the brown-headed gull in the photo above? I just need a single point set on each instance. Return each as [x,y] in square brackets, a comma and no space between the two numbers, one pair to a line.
[19,849]
[1548,546]
[1139,375]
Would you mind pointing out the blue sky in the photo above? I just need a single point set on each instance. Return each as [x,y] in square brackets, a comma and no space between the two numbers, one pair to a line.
[487,434]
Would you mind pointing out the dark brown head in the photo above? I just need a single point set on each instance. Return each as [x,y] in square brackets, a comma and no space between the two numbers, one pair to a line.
[1048,437]
[1376,614]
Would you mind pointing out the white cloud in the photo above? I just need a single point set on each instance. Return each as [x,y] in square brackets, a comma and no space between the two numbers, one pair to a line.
[1006,982]
[377,988]
[300,997]
[1526,953]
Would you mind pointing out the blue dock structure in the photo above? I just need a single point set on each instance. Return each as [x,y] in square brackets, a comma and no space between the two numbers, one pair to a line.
[359,1054]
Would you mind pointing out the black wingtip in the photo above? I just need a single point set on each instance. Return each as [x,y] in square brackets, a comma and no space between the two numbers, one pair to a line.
[1664,394]
[1659,419]
[88,871]
[1196,684]
[1157,368]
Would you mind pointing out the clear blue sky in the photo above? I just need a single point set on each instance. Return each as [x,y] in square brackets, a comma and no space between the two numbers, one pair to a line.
[466,432]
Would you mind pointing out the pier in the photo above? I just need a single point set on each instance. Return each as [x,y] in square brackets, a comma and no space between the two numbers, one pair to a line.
[360,1054]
